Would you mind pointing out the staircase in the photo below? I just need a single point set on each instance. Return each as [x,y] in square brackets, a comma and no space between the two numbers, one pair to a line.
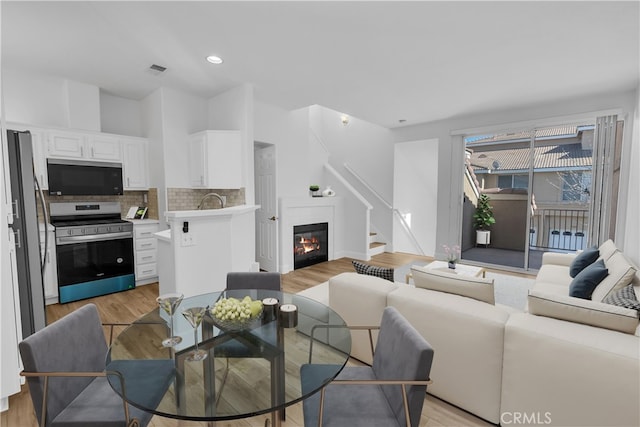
[375,247]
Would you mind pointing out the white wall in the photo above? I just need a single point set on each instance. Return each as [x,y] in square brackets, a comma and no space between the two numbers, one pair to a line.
[36,99]
[289,132]
[120,115]
[233,110]
[368,149]
[83,106]
[182,114]
[11,331]
[151,112]
[631,153]
[415,193]
[451,150]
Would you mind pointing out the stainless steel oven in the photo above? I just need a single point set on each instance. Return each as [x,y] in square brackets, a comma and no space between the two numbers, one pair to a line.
[94,249]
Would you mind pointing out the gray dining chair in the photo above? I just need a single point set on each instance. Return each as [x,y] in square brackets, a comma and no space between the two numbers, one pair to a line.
[253,280]
[64,364]
[378,395]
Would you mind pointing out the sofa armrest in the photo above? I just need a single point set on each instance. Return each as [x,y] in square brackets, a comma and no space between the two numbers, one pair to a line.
[360,300]
[557,258]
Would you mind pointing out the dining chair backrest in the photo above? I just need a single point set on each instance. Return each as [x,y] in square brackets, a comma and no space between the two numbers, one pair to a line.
[401,353]
[74,343]
[253,280]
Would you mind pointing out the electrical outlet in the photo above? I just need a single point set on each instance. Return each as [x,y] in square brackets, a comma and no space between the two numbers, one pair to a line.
[187,240]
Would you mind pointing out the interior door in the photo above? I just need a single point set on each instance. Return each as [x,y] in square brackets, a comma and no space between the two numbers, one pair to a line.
[266,215]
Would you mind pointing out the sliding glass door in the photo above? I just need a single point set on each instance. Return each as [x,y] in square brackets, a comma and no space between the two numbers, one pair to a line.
[538,183]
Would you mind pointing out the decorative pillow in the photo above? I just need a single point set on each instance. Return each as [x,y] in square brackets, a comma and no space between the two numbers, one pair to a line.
[621,273]
[585,282]
[582,311]
[582,260]
[372,270]
[466,286]
[624,297]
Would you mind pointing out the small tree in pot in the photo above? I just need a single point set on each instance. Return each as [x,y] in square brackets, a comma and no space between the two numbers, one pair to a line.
[482,220]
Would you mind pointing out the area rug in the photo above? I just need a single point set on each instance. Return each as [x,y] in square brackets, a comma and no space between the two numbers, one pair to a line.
[509,290]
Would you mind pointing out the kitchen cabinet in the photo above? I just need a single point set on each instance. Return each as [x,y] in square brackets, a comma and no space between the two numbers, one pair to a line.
[135,163]
[215,159]
[145,251]
[80,145]
[50,277]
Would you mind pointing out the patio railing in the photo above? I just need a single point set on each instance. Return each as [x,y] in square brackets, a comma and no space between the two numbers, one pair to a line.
[562,229]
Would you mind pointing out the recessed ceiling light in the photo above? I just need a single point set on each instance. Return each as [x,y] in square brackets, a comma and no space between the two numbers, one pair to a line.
[214,59]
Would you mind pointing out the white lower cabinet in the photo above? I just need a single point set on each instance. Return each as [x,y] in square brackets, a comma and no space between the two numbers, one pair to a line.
[146,252]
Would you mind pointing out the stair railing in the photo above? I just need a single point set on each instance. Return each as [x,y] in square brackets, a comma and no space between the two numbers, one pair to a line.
[348,186]
[409,232]
[367,186]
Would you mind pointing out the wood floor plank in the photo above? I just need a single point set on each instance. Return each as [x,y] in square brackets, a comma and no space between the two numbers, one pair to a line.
[126,307]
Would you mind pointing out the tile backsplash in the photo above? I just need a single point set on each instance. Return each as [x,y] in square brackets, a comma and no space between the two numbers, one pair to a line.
[184,199]
[128,199]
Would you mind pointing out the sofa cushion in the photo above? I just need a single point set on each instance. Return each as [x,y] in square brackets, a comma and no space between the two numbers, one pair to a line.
[623,297]
[558,274]
[586,281]
[583,311]
[467,286]
[583,260]
[372,270]
[621,273]
[607,249]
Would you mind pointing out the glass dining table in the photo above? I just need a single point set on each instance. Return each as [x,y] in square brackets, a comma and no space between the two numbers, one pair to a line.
[249,369]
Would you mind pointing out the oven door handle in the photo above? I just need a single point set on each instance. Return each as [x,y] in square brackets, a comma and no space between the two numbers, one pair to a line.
[69,240]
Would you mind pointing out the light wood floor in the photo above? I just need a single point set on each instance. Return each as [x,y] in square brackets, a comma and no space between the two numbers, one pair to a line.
[127,306]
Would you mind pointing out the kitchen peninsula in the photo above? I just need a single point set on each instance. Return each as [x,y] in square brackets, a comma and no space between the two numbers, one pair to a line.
[202,246]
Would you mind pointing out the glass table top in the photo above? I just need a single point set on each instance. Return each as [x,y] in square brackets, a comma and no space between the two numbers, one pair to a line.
[249,370]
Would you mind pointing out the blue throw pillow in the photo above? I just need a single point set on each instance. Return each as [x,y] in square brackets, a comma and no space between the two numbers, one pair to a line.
[585,282]
[582,260]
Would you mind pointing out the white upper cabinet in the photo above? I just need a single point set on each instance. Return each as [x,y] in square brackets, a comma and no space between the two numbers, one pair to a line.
[215,159]
[135,163]
[103,147]
[65,144]
[78,145]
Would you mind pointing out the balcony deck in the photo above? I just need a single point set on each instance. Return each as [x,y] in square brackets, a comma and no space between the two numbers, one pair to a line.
[503,257]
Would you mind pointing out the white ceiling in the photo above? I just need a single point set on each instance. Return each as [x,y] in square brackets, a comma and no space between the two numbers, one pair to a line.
[378,61]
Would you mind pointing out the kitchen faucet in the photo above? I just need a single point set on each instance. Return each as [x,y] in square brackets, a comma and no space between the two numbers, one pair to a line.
[206,196]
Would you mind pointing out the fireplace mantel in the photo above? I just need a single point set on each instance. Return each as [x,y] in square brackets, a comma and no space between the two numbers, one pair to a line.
[308,210]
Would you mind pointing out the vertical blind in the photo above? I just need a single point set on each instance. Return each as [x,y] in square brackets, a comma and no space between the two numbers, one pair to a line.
[602,189]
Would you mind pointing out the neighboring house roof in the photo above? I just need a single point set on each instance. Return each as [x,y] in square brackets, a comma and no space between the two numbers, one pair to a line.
[567,131]
[566,156]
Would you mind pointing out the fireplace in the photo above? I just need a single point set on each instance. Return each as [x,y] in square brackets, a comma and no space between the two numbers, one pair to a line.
[310,244]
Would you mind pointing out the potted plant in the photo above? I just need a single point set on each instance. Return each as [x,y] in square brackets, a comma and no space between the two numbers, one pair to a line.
[314,189]
[482,220]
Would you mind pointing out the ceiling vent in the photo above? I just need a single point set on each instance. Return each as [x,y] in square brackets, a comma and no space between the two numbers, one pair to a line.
[156,69]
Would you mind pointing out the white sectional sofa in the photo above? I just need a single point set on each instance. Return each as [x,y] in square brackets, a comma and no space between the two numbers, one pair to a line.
[505,366]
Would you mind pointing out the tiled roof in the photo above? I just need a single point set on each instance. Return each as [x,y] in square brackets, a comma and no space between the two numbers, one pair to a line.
[545,157]
[567,131]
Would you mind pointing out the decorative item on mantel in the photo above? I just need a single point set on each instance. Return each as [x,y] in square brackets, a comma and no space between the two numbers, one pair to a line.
[453,254]
[328,192]
[315,190]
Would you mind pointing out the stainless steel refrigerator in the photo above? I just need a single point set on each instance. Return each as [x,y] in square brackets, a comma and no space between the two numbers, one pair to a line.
[29,261]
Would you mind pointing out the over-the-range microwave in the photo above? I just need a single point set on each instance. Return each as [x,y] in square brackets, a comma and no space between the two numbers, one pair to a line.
[84,178]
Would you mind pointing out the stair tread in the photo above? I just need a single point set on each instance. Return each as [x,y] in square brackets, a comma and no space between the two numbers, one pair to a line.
[376,244]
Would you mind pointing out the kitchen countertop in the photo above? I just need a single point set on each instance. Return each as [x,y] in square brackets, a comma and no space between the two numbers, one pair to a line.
[142,221]
[204,213]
